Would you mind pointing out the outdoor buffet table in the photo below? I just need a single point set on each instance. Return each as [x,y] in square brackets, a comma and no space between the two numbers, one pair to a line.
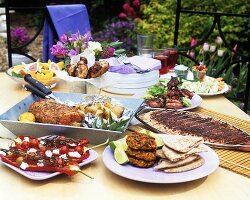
[222,184]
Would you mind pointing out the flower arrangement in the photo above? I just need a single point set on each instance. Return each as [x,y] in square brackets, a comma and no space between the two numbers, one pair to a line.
[19,37]
[71,45]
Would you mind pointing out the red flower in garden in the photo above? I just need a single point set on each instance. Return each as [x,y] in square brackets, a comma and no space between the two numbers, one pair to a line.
[131,11]
[122,15]
[126,7]
[193,42]
[136,3]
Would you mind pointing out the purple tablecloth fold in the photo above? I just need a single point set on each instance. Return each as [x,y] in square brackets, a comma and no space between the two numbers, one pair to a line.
[66,19]
[142,62]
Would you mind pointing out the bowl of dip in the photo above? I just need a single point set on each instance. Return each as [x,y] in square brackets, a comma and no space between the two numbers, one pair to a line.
[181,71]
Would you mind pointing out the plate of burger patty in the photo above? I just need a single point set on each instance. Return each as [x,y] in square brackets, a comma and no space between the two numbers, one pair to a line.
[180,159]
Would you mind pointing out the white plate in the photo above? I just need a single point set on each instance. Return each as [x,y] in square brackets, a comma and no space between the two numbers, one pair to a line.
[190,77]
[224,90]
[39,176]
[149,175]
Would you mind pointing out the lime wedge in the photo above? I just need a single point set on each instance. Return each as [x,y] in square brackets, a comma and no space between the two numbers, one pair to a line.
[122,144]
[114,144]
[158,139]
[120,156]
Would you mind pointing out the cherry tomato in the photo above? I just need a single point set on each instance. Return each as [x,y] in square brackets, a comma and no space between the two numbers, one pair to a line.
[60,161]
[34,143]
[25,145]
[43,149]
[64,150]
[79,149]
[84,142]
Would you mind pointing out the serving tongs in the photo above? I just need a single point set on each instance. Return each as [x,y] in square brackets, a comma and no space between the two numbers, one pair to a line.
[145,109]
[37,88]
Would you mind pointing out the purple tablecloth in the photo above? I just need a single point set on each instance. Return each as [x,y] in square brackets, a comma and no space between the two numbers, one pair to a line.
[142,62]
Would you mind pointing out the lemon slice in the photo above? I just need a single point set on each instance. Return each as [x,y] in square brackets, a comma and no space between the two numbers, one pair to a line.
[120,156]
[27,117]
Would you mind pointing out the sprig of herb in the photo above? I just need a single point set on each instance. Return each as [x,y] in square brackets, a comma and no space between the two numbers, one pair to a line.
[110,124]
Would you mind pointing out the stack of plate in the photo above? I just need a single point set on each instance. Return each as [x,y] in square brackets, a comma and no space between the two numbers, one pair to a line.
[132,83]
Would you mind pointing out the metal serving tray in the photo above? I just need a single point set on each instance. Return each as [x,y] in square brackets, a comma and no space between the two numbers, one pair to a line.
[9,119]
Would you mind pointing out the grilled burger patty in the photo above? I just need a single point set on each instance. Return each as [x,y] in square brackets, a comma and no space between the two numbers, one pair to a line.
[140,162]
[141,141]
[49,111]
[142,154]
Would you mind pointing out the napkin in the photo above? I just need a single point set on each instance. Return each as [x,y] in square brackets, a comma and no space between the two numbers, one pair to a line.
[63,19]
[142,62]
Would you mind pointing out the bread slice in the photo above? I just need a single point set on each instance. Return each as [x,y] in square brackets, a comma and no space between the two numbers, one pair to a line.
[165,163]
[175,156]
[182,143]
[197,163]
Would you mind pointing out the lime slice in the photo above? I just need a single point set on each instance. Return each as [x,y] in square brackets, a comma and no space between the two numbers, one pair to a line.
[120,156]
[114,144]
[121,144]
[124,144]
[158,139]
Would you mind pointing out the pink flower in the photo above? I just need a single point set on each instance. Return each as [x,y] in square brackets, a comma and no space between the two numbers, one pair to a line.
[58,50]
[191,54]
[111,51]
[126,7]
[205,47]
[64,38]
[131,11]
[234,49]
[193,42]
[136,3]
[122,15]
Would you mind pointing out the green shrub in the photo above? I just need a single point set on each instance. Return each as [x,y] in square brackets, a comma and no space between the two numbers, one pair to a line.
[159,18]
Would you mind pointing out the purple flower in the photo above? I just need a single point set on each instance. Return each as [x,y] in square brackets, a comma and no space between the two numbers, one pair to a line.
[111,51]
[58,50]
[73,52]
[19,37]
[64,38]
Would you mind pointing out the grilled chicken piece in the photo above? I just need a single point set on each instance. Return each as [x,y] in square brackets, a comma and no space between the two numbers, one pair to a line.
[99,68]
[81,69]
[71,69]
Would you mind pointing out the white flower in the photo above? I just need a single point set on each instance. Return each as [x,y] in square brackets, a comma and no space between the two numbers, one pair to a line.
[94,46]
[88,53]
[218,40]
[212,48]
[220,52]
[205,46]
